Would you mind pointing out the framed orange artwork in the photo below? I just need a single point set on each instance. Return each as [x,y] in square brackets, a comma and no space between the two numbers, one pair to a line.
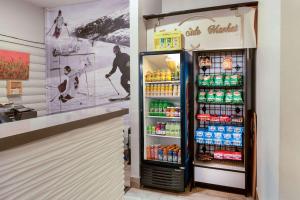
[14,65]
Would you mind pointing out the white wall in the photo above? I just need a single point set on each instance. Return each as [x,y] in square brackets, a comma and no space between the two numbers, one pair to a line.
[175,5]
[289,131]
[25,21]
[138,8]
[268,98]
[22,19]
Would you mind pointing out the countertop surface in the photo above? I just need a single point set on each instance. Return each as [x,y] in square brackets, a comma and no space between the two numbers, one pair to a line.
[39,123]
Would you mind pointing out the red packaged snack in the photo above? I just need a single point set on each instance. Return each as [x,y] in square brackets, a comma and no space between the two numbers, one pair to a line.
[228,155]
[203,117]
[236,156]
[219,155]
[214,118]
[225,118]
[237,119]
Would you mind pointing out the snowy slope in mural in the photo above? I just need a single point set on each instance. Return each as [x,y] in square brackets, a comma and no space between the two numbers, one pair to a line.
[83,41]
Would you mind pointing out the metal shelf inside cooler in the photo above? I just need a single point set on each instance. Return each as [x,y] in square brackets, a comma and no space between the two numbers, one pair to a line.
[163,136]
[222,164]
[162,82]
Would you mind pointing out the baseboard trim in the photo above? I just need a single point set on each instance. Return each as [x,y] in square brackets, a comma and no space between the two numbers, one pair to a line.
[135,182]
[256,196]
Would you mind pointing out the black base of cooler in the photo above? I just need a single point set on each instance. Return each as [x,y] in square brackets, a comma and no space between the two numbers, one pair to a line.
[165,178]
[221,188]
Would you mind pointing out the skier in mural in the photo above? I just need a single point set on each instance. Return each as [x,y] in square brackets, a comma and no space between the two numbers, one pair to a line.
[59,21]
[68,89]
[121,61]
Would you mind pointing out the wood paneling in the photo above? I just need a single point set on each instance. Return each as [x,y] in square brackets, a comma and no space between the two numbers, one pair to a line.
[34,89]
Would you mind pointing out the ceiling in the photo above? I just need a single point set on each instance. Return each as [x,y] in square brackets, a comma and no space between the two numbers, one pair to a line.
[55,3]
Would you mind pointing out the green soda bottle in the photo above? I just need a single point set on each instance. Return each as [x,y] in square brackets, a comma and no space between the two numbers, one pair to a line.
[160,108]
[156,108]
[151,108]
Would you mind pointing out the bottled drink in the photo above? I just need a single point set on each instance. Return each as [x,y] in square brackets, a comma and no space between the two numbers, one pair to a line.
[151,90]
[170,89]
[175,88]
[165,154]
[160,105]
[165,106]
[162,90]
[156,152]
[153,129]
[148,150]
[168,76]
[156,108]
[173,76]
[163,75]
[175,156]
[179,156]
[177,74]
[163,128]
[178,90]
[158,75]
[151,108]
[152,152]
[170,155]
[160,154]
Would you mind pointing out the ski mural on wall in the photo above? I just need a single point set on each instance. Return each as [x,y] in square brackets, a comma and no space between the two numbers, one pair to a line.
[88,55]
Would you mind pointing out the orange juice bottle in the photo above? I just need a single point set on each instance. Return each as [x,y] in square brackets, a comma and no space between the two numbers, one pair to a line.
[154,76]
[147,90]
[150,76]
[170,89]
[150,89]
[163,75]
[159,90]
[159,75]
[147,76]
[168,76]
[162,90]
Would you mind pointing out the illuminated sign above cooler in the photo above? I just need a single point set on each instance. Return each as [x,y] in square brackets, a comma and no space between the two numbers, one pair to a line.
[219,29]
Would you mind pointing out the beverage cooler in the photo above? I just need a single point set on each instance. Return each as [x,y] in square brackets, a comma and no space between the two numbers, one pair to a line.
[222,102]
[164,81]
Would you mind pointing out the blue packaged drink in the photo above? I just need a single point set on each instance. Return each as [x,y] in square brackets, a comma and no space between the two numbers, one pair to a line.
[238,130]
[212,128]
[218,135]
[221,128]
[170,156]
[208,135]
[160,154]
[175,156]
[229,129]
[227,136]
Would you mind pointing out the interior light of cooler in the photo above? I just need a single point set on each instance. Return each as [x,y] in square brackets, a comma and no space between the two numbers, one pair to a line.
[173,57]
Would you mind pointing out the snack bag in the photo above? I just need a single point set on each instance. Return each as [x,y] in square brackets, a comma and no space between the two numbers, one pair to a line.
[219,97]
[204,61]
[227,80]
[237,97]
[206,80]
[227,63]
[201,97]
[218,80]
[210,97]
[235,80]
[228,97]
[200,79]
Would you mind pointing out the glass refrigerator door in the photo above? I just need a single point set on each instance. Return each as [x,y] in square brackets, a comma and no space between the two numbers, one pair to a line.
[161,105]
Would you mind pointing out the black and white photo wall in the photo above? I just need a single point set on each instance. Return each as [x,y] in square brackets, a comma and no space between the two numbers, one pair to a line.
[88,55]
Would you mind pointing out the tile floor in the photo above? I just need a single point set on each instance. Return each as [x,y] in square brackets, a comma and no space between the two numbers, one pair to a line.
[196,194]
